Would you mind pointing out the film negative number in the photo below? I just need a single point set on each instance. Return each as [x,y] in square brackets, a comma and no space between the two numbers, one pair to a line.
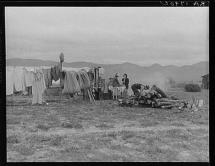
[184,3]
[201,3]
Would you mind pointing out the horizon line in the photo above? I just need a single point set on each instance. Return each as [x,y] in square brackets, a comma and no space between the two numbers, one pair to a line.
[113,63]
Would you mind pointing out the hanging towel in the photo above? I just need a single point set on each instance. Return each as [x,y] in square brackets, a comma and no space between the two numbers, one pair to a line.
[19,83]
[71,84]
[28,78]
[38,87]
[9,81]
[101,72]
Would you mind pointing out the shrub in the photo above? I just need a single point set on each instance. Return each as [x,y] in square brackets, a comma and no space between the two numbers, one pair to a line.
[180,85]
[192,88]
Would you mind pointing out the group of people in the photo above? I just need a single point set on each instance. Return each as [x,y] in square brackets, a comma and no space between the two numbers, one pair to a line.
[115,88]
[116,83]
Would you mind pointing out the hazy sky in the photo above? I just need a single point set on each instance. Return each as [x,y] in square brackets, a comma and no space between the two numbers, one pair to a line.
[141,35]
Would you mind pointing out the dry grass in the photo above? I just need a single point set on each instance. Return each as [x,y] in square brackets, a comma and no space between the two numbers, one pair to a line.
[74,130]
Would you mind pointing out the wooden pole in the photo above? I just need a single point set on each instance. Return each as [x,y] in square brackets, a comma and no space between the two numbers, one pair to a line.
[61,57]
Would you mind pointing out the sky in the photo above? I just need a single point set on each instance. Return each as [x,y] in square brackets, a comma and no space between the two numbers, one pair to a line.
[109,35]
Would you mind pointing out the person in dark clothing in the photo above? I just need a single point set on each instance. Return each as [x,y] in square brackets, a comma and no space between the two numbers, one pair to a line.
[136,88]
[125,80]
[109,90]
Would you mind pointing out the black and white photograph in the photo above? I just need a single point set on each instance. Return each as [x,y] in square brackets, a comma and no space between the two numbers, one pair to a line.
[107,84]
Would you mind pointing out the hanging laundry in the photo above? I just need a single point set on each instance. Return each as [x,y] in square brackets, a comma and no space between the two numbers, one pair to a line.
[87,69]
[56,72]
[38,87]
[9,81]
[28,77]
[71,84]
[101,72]
[47,76]
[19,83]
[85,79]
[80,80]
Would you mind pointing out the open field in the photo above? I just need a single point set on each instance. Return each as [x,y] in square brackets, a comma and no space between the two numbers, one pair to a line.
[74,130]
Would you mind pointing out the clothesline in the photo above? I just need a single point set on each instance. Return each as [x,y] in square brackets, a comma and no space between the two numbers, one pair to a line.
[25,76]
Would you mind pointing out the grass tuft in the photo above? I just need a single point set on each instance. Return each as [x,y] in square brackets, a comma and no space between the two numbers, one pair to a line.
[74,124]
[24,150]
[13,139]
[44,127]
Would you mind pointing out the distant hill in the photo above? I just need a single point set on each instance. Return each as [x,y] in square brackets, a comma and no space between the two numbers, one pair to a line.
[151,74]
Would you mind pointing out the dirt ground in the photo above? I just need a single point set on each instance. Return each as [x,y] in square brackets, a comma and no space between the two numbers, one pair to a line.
[75,130]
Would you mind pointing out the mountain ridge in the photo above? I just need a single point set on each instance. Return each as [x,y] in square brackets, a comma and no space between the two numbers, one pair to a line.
[12,61]
[136,73]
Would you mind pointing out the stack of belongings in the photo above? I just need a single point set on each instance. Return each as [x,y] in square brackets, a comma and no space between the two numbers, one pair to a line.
[127,101]
[156,98]
[97,81]
[183,105]
[147,97]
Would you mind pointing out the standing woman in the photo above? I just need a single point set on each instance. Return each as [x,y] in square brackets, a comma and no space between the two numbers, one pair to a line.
[125,80]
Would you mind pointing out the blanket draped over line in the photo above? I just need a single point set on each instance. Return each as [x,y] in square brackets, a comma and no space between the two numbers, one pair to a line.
[76,81]
[71,84]
[84,80]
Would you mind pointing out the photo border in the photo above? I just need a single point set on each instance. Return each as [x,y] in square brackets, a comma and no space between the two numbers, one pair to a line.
[25,3]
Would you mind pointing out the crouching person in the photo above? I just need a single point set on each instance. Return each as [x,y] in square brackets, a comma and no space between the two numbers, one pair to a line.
[136,88]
